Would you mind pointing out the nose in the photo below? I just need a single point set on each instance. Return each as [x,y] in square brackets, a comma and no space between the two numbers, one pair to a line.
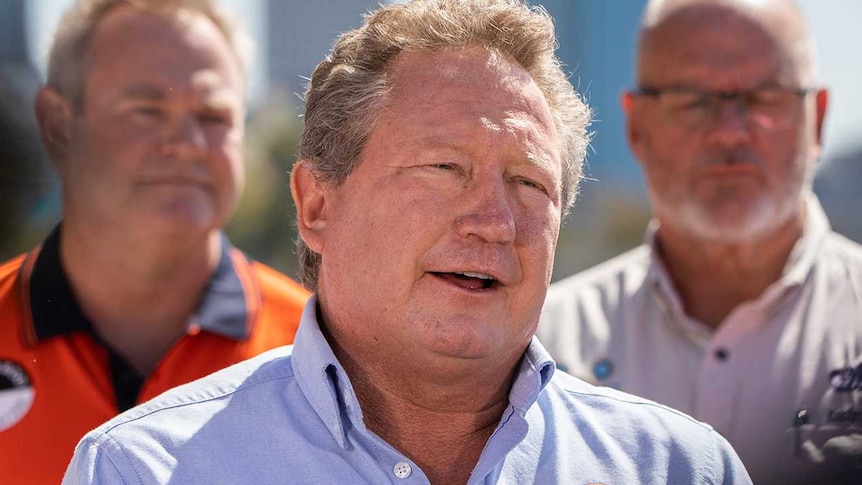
[731,124]
[488,216]
[185,140]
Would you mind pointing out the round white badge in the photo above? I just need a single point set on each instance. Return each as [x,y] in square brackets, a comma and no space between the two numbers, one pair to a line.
[16,394]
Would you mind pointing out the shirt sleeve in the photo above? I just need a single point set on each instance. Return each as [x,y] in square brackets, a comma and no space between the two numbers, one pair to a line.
[92,465]
[729,469]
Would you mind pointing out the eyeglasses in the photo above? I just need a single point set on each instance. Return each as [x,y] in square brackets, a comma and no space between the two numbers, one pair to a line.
[768,107]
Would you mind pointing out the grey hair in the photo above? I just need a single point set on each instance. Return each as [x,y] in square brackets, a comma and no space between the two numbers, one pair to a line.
[67,57]
[348,89]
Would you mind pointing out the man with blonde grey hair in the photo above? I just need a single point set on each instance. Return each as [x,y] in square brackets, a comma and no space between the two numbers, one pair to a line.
[138,290]
[442,145]
[743,308]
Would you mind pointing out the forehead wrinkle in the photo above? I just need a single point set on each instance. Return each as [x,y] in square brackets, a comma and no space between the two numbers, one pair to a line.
[518,120]
[490,125]
[144,91]
[520,125]
[213,91]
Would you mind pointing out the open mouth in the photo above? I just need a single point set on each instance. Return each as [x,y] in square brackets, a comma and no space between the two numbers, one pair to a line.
[469,280]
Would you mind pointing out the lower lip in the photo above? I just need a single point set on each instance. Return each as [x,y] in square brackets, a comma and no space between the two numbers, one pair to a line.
[176,182]
[476,291]
[745,169]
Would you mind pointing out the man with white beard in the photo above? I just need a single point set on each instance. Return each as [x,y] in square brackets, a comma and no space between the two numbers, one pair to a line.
[742,308]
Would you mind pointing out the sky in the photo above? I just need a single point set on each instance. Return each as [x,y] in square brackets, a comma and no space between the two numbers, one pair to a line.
[833,23]
[835,27]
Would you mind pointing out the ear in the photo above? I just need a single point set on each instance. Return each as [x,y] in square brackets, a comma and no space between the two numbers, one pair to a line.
[821,103]
[310,197]
[54,116]
[633,132]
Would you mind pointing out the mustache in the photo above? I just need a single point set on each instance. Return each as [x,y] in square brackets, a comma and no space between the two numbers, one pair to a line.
[742,156]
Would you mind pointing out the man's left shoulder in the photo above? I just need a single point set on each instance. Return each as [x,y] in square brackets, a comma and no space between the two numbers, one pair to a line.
[625,432]
[626,412]
[840,250]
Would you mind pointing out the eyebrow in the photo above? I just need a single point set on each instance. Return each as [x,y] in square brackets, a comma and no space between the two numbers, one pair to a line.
[144,92]
[534,153]
[215,99]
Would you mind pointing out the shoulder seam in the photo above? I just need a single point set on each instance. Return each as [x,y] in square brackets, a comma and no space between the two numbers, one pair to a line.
[166,407]
[644,402]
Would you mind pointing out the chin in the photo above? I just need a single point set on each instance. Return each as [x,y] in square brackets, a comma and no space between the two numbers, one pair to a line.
[463,338]
[733,224]
[187,224]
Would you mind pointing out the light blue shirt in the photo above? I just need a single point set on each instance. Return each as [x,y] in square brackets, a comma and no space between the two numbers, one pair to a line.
[291,416]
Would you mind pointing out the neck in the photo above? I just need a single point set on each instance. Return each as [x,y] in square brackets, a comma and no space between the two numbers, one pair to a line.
[138,292]
[442,424]
[714,277]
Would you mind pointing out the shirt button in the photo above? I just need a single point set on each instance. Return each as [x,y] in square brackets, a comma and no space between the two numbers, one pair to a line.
[722,354]
[402,469]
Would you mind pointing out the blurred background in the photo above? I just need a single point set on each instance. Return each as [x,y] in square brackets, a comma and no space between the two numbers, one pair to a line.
[597,39]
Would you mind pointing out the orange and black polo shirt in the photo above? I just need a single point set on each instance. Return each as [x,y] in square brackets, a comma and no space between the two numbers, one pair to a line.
[58,381]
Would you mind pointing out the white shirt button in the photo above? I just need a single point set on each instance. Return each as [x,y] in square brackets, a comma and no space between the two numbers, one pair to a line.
[402,469]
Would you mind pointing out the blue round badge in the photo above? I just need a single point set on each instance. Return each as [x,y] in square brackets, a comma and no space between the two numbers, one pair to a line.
[603,369]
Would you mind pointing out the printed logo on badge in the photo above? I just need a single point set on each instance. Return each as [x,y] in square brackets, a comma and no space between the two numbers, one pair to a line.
[846,379]
[16,394]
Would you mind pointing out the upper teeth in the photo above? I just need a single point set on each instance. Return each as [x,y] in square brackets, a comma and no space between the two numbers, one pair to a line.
[477,275]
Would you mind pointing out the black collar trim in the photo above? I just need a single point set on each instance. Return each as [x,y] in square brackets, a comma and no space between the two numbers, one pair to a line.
[227,307]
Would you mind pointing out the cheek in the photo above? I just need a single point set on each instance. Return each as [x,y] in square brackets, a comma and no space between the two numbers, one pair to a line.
[228,164]
[379,223]
[666,174]
[537,238]
[663,154]
[104,156]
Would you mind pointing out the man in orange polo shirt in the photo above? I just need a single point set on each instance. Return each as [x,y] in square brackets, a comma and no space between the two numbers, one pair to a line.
[137,290]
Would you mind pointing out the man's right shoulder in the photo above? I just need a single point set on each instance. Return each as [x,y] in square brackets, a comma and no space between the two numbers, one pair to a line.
[178,428]
[193,404]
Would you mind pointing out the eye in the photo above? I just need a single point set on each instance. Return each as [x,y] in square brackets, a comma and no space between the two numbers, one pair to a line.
[530,184]
[694,101]
[148,110]
[448,168]
[215,117]
[768,98]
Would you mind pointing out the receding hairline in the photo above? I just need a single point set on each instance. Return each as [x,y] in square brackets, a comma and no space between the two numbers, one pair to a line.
[781,18]
[69,55]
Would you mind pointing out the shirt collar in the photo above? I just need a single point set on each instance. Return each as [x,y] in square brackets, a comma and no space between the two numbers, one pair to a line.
[796,270]
[534,373]
[806,249]
[327,386]
[322,378]
[227,307]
